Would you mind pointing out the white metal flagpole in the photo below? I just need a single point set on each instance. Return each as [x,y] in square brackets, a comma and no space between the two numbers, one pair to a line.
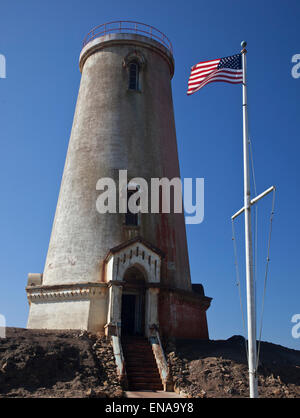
[251,309]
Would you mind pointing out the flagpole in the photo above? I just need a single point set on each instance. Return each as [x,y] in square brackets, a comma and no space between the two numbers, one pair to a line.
[251,309]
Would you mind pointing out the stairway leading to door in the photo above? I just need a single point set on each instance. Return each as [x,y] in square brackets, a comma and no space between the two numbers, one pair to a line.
[141,369]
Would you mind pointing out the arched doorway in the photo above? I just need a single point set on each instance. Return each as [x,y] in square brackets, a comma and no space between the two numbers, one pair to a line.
[133,302]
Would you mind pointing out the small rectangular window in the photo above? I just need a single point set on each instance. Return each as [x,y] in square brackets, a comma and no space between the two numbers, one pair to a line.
[133,76]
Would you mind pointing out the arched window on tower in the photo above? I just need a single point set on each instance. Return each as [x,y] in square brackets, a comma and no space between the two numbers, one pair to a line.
[134,75]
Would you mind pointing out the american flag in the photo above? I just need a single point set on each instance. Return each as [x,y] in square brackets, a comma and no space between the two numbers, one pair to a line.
[228,69]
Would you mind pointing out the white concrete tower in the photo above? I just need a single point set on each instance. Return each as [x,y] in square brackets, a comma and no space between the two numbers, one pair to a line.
[105,270]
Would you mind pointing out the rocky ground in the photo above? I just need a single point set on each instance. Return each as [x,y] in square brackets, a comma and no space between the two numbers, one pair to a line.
[208,369]
[39,363]
[56,364]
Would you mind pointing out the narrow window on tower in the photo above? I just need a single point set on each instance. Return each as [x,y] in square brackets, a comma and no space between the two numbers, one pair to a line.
[131,218]
[133,75]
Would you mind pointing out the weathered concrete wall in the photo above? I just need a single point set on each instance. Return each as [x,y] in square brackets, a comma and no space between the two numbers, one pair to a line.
[68,307]
[59,315]
[115,128]
[183,315]
[98,313]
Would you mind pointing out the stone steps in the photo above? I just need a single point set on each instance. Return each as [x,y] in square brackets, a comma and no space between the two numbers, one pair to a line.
[140,364]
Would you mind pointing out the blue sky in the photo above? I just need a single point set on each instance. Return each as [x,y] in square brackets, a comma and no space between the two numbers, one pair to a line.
[41,41]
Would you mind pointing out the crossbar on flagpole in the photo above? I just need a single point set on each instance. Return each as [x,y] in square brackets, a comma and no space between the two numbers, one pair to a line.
[253,201]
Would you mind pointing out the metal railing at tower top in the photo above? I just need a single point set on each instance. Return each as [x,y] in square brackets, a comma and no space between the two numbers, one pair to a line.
[128,26]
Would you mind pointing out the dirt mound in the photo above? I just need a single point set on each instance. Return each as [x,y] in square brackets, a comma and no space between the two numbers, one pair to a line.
[219,369]
[41,363]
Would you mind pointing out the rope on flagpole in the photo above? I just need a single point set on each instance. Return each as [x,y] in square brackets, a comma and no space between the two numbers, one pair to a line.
[255,226]
[266,277]
[238,284]
[256,216]
[256,251]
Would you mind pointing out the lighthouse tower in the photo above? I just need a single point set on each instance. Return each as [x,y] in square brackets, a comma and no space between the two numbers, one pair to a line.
[126,272]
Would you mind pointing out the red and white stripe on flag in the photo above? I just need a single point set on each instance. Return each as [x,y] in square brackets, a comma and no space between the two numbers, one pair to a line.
[215,70]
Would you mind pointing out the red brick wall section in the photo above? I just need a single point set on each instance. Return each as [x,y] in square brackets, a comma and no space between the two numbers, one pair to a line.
[181,316]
